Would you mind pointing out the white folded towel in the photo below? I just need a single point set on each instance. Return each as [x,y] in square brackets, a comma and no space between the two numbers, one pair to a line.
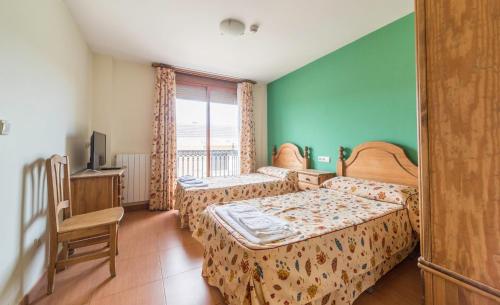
[186,178]
[266,234]
[254,220]
[263,223]
[190,185]
[188,181]
[242,208]
[254,225]
[196,181]
[277,236]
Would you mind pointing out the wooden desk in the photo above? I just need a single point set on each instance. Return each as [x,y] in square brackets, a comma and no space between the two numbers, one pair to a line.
[311,179]
[93,191]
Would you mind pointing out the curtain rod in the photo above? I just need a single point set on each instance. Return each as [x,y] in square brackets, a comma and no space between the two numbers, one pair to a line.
[203,74]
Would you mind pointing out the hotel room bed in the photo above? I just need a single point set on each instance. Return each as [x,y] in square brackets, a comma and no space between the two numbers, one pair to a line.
[351,232]
[281,178]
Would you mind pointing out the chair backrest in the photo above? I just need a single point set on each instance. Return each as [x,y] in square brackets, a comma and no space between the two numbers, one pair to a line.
[59,190]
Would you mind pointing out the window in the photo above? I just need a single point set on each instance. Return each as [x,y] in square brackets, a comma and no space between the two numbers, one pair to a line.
[207,119]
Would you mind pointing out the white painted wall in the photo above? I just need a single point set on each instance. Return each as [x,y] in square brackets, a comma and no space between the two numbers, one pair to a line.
[54,91]
[44,92]
[123,107]
[122,104]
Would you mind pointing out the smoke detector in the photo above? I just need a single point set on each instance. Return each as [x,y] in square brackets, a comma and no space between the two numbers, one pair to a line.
[254,28]
[232,27]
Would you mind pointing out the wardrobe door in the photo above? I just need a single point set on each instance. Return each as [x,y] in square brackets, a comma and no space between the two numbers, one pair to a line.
[458,53]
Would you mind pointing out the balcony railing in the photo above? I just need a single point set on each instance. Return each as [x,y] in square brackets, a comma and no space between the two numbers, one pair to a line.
[194,163]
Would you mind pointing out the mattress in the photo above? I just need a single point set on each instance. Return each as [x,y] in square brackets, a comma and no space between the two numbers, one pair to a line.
[346,243]
[268,181]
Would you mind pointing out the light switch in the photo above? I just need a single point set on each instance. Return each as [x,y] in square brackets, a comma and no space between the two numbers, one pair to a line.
[4,127]
[324,159]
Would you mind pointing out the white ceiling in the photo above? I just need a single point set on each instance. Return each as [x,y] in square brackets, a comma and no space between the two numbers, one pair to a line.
[185,33]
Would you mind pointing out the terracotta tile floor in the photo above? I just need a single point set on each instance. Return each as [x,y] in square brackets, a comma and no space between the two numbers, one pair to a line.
[160,264]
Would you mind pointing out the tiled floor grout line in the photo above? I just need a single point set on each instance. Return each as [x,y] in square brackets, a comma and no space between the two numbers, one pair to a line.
[126,289]
[164,294]
[174,247]
[130,288]
[179,273]
[163,284]
[153,252]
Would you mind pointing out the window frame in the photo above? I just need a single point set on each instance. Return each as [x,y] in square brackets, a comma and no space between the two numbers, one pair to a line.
[209,85]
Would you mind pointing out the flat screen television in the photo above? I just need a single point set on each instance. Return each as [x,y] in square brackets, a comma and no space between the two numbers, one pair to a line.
[97,150]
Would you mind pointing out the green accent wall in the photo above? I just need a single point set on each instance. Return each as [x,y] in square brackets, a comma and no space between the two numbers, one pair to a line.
[365,91]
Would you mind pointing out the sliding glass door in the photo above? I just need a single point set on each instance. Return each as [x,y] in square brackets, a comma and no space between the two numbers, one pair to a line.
[207,119]
[192,144]
[224,138]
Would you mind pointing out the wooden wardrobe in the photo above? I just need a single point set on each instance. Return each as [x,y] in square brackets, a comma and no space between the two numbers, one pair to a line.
[458,54]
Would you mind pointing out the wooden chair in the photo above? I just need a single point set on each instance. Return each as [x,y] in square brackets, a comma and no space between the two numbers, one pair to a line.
[100,227]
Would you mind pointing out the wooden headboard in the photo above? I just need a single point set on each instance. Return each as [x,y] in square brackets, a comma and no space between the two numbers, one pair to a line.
[378,161]
[288,156]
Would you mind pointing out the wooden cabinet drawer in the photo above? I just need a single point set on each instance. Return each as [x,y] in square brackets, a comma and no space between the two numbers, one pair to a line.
[308,178]
[304,186]
[311,179]
[91,194]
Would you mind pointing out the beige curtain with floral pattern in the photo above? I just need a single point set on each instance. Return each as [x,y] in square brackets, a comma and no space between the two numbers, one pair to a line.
[247,128]
[163,156]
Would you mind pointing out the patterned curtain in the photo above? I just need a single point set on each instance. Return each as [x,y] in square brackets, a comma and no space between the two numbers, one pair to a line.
[163,156]
[247,129]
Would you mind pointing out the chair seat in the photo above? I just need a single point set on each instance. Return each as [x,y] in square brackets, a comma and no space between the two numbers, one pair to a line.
[92,219]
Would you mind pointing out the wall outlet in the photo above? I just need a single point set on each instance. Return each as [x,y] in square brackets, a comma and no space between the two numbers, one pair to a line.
[4,127]
[324,159]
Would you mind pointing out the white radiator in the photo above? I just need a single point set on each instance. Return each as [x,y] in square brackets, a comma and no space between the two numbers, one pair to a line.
[136,176]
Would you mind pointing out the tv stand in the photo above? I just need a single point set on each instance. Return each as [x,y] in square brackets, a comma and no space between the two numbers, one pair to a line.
[93,190]
[89,170]
[110,168]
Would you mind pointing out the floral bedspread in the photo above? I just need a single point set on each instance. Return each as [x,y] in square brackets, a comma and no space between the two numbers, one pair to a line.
[268,181]
[386,192]
[346,243]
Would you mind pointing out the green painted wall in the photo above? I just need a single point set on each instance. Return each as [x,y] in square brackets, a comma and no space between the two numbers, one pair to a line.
[365,91]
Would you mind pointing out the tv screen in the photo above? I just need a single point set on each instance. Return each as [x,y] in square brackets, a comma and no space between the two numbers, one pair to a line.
[97,150]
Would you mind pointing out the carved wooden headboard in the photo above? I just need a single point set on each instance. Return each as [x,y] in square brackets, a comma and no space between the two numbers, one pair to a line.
[378,161]
[288,156]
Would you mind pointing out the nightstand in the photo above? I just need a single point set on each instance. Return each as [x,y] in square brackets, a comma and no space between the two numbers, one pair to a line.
[311,179]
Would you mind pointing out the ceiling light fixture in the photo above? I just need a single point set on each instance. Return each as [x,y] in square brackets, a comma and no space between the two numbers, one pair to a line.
[232,27]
